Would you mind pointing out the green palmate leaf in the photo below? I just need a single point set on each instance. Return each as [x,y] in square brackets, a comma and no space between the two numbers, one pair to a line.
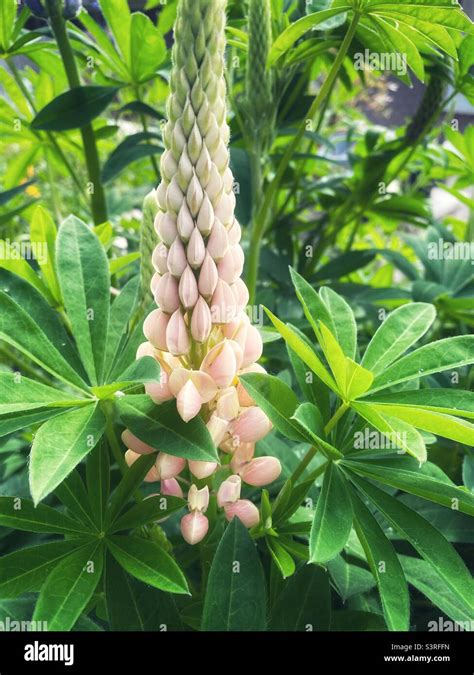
[148,562]
[281,557]
[425,579]
[32,301]
[447,401]
[19,394]
[277,400]
[84,277]
[25,570]
[308,417]
[29,324]
[314,308]
[332,519]
[59,446]
[334,356]
[312,388]
[72,493]
[306,354]
[147,47]
[151,509]
[7,20]
[21,514]
[349,579]
[429,543]
[98,481]
[133,606]
[358,380]
[74,109]
[15,421]
[402,436]
[144,369]
[162,427]
[404,474]
[435,422]
[443,12]
[118,17]
[129,483]
[291,34]
[436,357]
[305,602]
[235,597]
[120,312]
[400,330]
[43,234]
[69,587]
[345,327]
[385,567]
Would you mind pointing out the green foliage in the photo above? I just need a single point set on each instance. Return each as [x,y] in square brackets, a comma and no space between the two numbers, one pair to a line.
[369,353]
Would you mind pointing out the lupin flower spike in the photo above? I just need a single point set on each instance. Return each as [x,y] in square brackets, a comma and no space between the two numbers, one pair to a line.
[200,333]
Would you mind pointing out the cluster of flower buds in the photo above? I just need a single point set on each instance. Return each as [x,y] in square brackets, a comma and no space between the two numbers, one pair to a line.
[200,332]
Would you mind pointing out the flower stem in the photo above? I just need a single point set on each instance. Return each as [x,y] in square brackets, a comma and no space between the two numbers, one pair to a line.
[58,26]
[262,218]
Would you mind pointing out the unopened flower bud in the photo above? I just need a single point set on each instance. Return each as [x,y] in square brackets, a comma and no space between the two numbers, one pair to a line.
[176,261]
[196,249]
[194,527]
[166,295]
[221,364]
[201,469]
[166,229]
[201,322]
[223,304]
[208,277]
[245,511]
[188,401]
[169,466]
[188,288]
[135,444]
[170,487]
[177,338]
[261,471]
[253,346]
[251,426]
[154,328]
[218,242]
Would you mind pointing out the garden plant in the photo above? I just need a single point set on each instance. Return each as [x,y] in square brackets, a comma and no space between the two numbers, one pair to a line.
[235,326]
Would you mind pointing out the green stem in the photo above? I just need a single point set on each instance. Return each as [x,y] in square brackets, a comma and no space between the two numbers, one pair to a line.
[112,439]
[97,195]
[24,90]
[145,129]
[335,418]
[261,221]
[310,454]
